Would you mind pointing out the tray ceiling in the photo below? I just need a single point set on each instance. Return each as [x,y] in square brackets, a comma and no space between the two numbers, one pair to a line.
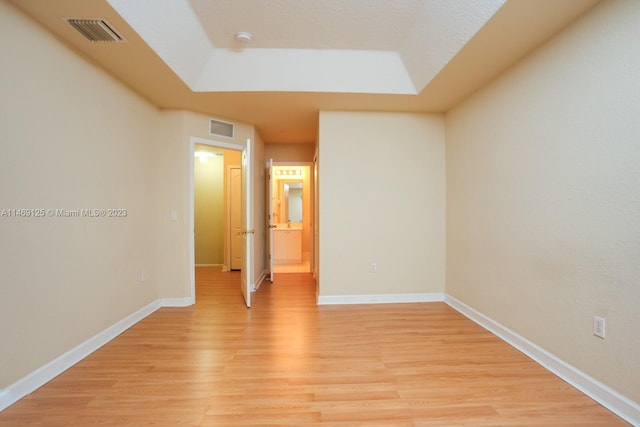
[307,55]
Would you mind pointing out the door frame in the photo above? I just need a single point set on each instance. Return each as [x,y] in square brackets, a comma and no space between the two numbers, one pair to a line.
[192,241]
[269,212]
[313,190]
[248,231]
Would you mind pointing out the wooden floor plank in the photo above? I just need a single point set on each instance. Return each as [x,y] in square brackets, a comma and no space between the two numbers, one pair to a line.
[288,362]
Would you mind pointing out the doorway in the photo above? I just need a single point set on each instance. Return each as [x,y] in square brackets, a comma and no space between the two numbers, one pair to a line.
[292,213]
[202,151]
[217,207]
[209,201]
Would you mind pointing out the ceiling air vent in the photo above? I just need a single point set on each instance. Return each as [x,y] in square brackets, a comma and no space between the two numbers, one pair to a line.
[96,30]
[216,127]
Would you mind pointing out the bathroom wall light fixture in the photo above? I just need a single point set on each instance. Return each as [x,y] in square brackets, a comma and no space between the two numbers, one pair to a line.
[289,172]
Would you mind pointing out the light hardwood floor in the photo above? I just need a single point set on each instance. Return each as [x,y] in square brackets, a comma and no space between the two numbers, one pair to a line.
[304,266]
[287,362]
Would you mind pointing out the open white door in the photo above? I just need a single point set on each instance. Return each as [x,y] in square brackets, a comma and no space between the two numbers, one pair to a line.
[270,224]
[247,225]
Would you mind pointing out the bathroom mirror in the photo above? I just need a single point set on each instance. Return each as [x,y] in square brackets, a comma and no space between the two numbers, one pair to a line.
[290,197]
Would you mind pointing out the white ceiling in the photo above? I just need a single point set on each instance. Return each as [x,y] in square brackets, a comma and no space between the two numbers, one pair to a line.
[308,55]
[356,46]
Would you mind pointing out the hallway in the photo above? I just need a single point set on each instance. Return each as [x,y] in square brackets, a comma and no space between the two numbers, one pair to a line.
[288,362]
[304,266]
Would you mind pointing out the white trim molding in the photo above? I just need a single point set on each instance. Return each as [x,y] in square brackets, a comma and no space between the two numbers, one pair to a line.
[606,396]
[177,302]
[259,281]
[379,299]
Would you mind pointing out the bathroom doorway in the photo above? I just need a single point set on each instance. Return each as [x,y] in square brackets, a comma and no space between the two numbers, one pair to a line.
[291,214]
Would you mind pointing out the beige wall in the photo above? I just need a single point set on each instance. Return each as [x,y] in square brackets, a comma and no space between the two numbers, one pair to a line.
[382,199]
[70,137]
[172,194]
[543,178]
[73,137]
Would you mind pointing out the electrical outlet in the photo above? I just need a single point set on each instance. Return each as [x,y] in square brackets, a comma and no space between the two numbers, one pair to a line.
[143,275]
[598,326]
[374,267]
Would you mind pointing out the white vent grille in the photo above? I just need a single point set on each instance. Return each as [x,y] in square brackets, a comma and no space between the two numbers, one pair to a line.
[96,30]
[219,128]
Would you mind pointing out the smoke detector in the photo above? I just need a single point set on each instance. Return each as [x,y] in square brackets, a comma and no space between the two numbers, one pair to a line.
[243,37]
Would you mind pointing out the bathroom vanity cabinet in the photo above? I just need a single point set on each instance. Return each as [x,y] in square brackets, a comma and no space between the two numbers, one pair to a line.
[287,244]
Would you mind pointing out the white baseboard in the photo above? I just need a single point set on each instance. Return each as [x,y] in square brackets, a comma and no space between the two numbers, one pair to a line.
[258,282]
[177,302]
[379,299]
[607,397]
[45,373]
